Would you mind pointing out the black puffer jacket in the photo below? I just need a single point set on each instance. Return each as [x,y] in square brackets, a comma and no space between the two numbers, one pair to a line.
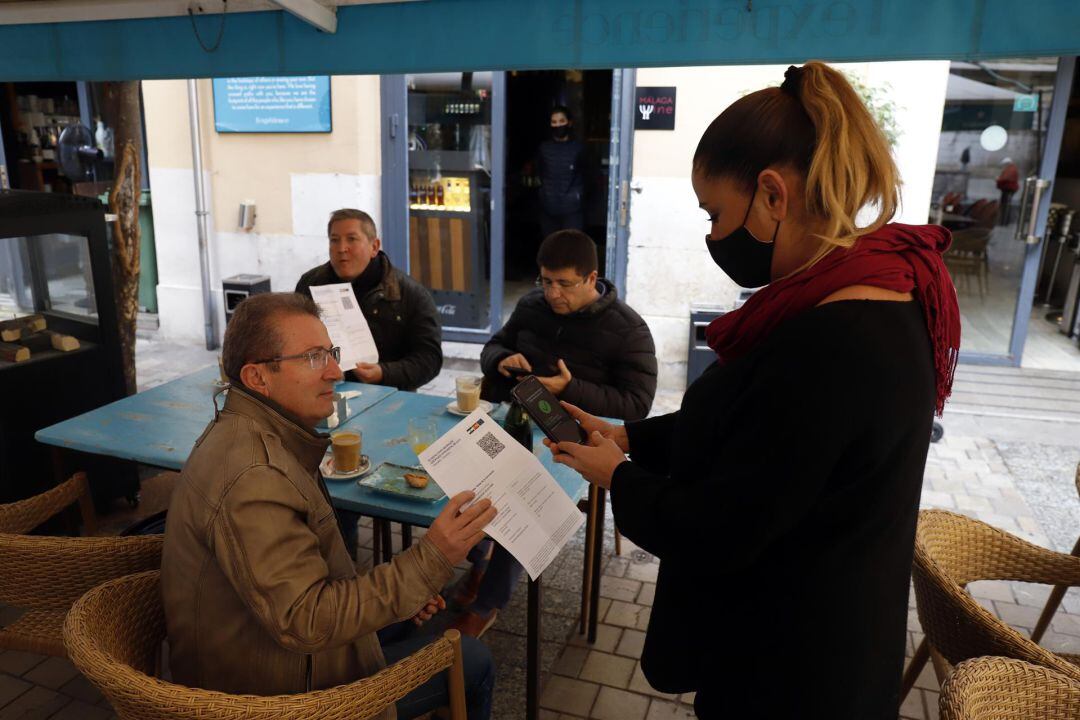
[606,346]
[562,176]
[403,321]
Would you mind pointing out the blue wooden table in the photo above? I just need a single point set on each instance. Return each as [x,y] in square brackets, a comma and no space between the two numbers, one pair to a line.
[159,426]
[385,431]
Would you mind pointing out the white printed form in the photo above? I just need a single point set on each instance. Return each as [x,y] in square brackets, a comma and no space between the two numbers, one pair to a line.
[345,322]
[536,517]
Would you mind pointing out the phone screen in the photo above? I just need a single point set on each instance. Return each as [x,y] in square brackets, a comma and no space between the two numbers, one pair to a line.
[545,410]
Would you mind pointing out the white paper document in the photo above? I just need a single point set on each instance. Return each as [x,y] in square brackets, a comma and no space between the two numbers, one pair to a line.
[536,517]
[345,321]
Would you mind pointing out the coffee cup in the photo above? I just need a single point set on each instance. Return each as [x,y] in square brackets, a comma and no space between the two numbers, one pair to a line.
[346,446]
[468,393]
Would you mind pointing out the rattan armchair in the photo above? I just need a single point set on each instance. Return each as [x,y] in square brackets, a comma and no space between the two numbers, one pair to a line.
[1058,592]
[25,515]
[995,688]
[953,550]
[43,576]
[114,635]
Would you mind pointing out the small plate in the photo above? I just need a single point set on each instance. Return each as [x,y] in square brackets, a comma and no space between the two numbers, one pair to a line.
[326,467]
[453,409]
[389,478]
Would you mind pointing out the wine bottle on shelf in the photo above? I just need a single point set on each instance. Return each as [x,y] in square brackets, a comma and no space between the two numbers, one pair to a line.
[439,195]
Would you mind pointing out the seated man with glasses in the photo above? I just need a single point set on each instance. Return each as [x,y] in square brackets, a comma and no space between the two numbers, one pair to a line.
[259,592]
[588,348]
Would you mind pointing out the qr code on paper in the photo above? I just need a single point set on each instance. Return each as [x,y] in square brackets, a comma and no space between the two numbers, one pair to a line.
[491,445]
[347,303]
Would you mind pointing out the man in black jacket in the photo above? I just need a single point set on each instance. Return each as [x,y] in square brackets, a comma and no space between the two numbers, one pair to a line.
[588,348]
[399,310]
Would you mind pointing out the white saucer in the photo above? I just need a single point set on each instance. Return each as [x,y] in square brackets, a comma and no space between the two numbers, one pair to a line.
[326,467]
[452,408]
[218,382]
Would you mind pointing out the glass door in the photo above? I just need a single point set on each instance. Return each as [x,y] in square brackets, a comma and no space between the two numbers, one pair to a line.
[442,161]
[998,150]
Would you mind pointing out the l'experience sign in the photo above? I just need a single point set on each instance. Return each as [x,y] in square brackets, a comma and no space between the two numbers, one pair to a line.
[654,108]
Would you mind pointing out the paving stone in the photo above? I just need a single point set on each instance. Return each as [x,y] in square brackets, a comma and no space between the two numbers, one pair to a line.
[631,644]
[992,590]
[607,639]
[639,684]
[912,708]
[648,592]
[11,687]
[37,703]
[646,572]
[623,589]
[82,689]
[612,704]
[1017,614]
[688,698]
[14,662]
[665,710]
[966,503]
[628,615]
[1031,594]
[1066,624]
[1058,643]
[937,499]
[53,673]
[78,710]
[927,677]
[567,695]
[607,669]
[571,661]
[616,566]
[930,701]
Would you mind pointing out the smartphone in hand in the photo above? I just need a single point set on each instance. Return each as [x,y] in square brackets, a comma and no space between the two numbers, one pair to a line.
[546,411]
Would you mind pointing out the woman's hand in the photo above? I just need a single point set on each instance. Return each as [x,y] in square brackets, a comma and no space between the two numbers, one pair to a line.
[591,423]
[596,461]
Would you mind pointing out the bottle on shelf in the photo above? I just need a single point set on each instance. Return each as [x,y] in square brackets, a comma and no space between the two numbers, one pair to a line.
[439,195]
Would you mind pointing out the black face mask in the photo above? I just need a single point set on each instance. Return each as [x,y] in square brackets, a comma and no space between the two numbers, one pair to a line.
[560,132]
[744,258]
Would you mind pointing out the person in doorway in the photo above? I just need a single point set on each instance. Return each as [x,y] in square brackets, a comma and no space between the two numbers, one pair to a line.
[794,466]
[400,311]
[587,347]
[561,165]
[260,595]
[1008,183]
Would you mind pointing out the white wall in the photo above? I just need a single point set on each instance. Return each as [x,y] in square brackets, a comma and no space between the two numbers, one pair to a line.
[295,181]
[668,266]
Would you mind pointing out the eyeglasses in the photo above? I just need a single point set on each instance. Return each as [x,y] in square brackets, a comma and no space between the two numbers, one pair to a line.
[563,285]
[317,358]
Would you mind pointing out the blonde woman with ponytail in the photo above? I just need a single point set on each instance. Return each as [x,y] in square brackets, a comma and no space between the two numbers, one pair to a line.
[781,499]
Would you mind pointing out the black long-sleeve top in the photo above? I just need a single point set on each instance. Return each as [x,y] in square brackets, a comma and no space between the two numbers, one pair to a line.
[781,500]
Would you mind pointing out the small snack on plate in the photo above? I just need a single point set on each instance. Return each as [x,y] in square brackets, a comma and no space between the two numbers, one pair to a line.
[416,480]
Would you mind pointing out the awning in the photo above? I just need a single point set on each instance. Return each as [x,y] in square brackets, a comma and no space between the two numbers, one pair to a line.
[444,35]
[961,88]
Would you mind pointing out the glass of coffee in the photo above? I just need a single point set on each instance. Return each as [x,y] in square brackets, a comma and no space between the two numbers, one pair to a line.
[468,393]
[346,446]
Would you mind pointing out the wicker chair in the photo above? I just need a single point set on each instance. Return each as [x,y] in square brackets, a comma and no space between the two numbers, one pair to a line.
[953,550]
[995,688]
[114,634]
[44,575]
[25,515]
[1058,592]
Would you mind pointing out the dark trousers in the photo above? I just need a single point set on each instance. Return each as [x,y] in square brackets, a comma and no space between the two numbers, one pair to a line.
[567,221]
[1003,214]
[435,693]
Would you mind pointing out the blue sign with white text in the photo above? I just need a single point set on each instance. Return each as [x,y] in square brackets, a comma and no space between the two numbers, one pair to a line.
[272,104]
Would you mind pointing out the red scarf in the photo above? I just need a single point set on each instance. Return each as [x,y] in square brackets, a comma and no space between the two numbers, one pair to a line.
[903,258]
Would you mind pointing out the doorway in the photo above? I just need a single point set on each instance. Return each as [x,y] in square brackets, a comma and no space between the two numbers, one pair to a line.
[997,154]
[530,98]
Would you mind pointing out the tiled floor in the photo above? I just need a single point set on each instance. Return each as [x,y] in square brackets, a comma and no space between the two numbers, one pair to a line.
[1016,474]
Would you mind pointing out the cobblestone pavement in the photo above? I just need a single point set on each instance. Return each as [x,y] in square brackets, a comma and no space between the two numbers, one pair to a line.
[1014,474]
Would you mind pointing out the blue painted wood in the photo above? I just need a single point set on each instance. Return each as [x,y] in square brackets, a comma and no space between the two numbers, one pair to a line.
[449,35]
[160,426]
[385,430]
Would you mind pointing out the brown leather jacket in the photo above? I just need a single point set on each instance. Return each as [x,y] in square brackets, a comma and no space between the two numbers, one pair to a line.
[260,594]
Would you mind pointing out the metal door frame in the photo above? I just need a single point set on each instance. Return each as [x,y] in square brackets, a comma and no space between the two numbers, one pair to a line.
[1055,128]
[394,112]
[620,172]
